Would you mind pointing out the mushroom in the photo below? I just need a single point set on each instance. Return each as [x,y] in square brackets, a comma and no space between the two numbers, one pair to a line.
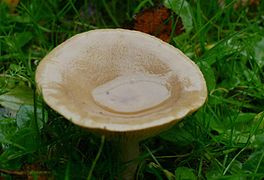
[126,85]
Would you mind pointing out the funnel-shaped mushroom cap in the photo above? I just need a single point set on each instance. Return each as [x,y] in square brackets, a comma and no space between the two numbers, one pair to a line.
[120,81]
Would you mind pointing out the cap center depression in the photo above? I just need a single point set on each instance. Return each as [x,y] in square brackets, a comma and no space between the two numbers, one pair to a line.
[132,93]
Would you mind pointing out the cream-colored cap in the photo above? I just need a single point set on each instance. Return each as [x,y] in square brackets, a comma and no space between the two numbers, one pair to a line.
[115,80]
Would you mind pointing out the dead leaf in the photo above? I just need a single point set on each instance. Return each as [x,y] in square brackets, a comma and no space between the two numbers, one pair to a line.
[157,22]
[12,4]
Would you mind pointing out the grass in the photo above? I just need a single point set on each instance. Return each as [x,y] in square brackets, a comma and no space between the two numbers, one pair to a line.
[222,140]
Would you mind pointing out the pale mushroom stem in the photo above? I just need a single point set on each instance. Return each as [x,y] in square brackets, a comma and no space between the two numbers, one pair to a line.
[128,152]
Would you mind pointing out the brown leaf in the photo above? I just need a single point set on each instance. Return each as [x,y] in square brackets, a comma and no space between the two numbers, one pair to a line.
[241,3]
[12,4]
[157,22]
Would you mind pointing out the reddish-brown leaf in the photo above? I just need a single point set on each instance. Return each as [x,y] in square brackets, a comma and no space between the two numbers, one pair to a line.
[157,22]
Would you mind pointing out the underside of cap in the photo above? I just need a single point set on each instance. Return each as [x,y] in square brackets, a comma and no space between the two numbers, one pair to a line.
[120,80]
